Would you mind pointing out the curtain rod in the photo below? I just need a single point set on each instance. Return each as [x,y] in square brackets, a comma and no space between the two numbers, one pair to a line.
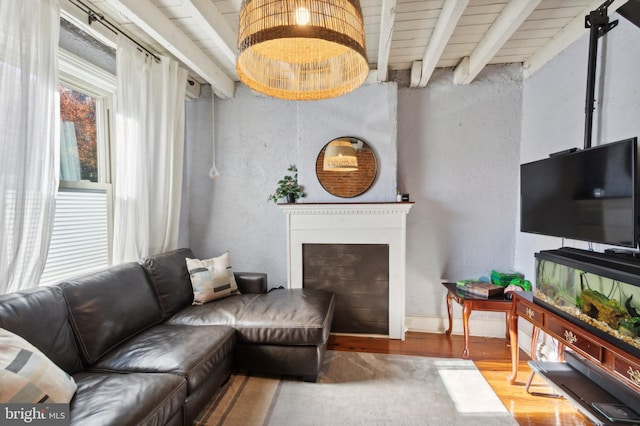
[94,16]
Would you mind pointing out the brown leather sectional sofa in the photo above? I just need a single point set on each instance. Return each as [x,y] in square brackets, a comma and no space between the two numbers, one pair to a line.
[142,354]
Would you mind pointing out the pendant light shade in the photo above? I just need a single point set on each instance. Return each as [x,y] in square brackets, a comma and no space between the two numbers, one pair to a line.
[340,156]
[302,49]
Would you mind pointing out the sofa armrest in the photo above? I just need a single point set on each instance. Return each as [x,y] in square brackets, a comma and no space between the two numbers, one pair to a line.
[251,282]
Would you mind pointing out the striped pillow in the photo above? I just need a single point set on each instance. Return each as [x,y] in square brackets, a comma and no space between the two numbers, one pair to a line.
[211,279]
[28,376]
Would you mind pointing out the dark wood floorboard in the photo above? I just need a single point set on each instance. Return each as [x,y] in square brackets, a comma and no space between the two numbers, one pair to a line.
[492,357]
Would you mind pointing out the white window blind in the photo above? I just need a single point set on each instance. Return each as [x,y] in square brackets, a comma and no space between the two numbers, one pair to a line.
[80,239]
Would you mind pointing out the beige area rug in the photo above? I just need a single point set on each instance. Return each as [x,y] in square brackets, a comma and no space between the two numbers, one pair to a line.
[363,389]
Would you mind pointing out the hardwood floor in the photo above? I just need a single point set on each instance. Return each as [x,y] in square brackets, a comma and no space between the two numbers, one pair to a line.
[492,357]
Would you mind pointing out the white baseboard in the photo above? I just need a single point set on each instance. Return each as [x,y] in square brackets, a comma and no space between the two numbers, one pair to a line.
[487,327]
[484,327]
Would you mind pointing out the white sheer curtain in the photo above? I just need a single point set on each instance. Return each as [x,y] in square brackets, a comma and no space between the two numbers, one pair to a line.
[29,133]
[148,153]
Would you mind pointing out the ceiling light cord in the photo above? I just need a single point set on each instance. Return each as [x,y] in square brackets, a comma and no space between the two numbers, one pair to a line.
[213,173]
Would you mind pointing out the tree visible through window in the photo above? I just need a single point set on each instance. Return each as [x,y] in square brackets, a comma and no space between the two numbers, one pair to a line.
[78,141]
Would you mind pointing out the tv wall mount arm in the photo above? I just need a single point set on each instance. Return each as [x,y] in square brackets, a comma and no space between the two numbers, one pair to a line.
[598,23]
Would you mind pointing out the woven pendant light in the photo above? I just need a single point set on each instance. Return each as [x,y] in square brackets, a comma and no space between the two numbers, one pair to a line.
[302,49]
[340,156]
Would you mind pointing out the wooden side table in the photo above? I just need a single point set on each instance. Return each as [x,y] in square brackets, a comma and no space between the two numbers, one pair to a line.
[470,303]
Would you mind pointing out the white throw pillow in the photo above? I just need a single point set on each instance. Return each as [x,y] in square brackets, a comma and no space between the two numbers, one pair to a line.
[211,279]
[28,376]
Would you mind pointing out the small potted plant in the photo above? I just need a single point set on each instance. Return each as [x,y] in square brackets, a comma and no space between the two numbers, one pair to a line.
[288,187]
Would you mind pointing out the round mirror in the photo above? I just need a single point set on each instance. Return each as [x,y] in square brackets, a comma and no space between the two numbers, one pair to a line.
[346,167]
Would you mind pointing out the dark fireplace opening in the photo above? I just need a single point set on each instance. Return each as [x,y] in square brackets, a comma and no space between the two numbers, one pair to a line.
[358,274]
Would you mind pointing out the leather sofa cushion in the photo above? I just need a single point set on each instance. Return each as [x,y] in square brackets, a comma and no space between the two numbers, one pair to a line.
[39,316]
[108,307]
[281,317]
[170,279]
[225,311]
[190,352]
[126,399]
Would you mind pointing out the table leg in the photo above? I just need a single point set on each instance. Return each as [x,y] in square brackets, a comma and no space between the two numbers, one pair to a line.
[560,352]
[513,337]
[506,328]
[449,313]
[466,312]
[534,342]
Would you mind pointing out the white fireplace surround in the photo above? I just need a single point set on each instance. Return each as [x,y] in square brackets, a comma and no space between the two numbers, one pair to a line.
[356,223]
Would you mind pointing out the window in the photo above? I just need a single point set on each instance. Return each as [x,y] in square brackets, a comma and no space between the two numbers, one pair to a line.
[78,136]
[82,230]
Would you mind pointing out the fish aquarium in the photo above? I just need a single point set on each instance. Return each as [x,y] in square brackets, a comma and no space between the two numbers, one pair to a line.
[598,291]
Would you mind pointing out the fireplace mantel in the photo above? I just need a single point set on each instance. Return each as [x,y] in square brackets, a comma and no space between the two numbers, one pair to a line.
[352,223]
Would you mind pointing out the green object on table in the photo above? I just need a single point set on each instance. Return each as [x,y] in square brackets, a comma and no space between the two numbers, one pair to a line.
[524,284]
[504,278]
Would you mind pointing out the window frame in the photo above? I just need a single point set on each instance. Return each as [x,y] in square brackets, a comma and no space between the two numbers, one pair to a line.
[78,74]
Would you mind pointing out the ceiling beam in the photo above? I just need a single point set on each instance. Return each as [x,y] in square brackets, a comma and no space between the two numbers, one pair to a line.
[567,36]
[152,21]
[237,4]
[451,12]
[387,20]
[512,16]
[214,26]
[416,69]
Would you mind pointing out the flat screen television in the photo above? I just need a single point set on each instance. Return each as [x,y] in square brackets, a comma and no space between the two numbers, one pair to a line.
[589,195]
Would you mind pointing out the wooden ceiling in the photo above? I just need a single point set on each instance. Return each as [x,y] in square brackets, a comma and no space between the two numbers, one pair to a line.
[416,35]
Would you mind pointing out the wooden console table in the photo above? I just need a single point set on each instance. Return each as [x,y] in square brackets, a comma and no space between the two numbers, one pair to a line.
[604,355]
[470,303]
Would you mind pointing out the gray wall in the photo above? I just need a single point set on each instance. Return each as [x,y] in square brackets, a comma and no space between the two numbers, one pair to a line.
[553,112]
[257,138]
[369,113]
[457,156]
[255,143]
